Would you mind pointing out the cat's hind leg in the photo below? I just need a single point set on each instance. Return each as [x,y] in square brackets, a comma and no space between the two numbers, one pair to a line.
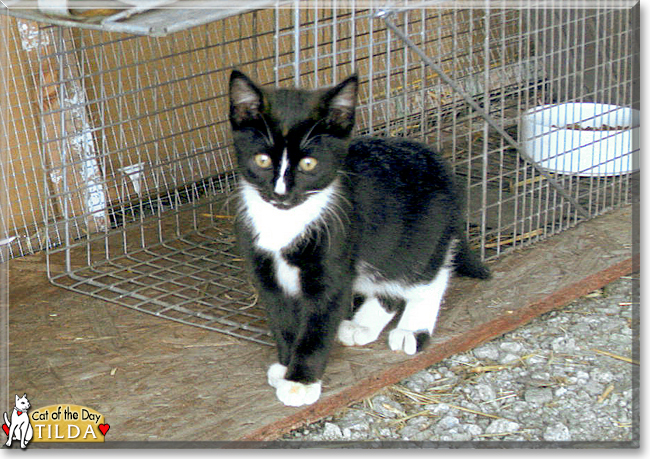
[366,324]
[420,314]
[292,393]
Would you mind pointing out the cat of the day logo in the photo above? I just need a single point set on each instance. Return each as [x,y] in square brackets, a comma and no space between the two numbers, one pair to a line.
[54,423]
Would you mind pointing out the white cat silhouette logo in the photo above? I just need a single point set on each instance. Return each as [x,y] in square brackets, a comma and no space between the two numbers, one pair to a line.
[19,428]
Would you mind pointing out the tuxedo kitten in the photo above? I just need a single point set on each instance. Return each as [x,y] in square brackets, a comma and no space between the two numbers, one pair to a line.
[340,234]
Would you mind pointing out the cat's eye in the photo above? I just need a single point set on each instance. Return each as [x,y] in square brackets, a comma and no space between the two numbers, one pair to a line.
[263,161]
[308,164]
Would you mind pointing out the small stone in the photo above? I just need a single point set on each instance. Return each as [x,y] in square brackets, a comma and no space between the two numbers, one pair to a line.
[461,436]
[617,338]
[535,360]
[594,388]
[471,406]
[511,347]
[601,376]
[331,432]
[462,358]
[355,420]
[563,345]
[557,432]
[486,351]
[560,391]
[419,382]
[485,392]
[581,329]
[437,409]
[422,422]
[542,376]
[448,422]
[413,428]
[538,395]
[473,429]
[520,406]
[408,432]
[508,358]
[387,407]
[385,432]
[355,426]
[610,310]
[535,330]
[504,426]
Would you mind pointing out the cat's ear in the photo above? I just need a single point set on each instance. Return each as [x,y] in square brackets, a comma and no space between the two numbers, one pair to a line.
[17,398]
[246,99]
[341,102]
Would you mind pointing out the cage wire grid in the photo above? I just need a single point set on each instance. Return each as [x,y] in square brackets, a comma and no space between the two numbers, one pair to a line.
[134,140]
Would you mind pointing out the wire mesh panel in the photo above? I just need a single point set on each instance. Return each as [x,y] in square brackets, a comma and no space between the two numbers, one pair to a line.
[478,79]
[21,225]
[154,232]
[134,141]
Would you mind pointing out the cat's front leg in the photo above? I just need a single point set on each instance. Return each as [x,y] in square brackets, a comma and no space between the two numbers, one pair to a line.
[299,381]
[298,391]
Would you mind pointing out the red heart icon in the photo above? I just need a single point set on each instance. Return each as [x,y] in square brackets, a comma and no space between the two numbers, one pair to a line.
[104,428]
[5,428]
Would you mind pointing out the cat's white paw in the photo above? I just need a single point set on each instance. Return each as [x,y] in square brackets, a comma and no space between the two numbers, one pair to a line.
[275,374]
[291,393]
[403,340]
[352,334]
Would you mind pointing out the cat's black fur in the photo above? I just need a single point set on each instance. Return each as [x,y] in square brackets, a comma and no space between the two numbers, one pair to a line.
[396,209]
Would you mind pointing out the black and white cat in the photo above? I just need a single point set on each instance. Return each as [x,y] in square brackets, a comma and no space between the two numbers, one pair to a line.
[340,234]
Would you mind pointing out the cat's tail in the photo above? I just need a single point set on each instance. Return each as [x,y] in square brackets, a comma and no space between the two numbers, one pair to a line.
[467,263]
[6,419]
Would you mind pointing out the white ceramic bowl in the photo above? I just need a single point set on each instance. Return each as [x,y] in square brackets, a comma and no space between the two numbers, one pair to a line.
[584,139]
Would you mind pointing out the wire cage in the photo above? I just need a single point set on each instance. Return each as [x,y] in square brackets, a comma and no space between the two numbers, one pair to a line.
[134,143]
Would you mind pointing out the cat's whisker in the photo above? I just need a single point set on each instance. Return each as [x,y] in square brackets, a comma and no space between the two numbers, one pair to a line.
[232,198]
[269,134]
[321,228]
[347,173]
[306,140]
[340,196]
[338,220]
[333,212]
[335,209]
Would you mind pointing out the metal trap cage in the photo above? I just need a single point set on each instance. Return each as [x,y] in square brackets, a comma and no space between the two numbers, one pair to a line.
[135,149]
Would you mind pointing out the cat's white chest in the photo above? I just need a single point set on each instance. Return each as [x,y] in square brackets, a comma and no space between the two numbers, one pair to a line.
[274,228]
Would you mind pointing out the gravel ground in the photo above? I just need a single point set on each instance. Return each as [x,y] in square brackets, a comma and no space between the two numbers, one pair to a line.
[565,376]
